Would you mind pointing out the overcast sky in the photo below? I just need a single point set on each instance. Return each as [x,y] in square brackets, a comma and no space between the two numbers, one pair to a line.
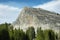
[10,9]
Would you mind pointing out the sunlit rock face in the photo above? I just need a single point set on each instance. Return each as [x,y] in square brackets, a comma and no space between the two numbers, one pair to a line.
[37,17]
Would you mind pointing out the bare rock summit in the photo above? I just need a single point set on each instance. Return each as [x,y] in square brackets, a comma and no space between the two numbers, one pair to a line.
[37,17]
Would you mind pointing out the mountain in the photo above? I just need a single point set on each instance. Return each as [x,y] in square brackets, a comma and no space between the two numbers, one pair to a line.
[37,17]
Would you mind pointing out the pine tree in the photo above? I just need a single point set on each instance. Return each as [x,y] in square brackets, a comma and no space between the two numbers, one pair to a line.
[30,33]
[49,35]
[40,34]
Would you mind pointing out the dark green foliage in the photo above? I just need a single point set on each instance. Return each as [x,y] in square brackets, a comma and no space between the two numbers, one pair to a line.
[8,33]
[45,35]
[40,34]
[11,33]
[19,35]
[30,33]
[4,34]
[49,35]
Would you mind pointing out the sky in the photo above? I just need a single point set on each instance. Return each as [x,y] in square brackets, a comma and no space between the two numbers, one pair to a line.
[10,9]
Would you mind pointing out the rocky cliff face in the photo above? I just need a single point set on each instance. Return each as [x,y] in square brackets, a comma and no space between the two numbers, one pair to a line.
[37,17]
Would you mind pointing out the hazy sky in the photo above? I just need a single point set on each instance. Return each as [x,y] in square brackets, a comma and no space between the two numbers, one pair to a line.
[10,9]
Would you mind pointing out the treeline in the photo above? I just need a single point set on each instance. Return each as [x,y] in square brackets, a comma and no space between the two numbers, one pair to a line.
[8,33]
